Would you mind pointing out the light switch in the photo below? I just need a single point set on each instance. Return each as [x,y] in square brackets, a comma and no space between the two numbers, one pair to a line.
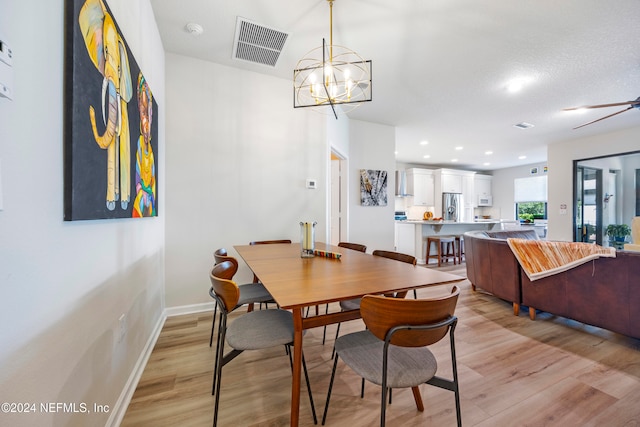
[311,184]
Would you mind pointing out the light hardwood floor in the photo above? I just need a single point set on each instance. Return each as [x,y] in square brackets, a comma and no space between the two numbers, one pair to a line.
[512,371]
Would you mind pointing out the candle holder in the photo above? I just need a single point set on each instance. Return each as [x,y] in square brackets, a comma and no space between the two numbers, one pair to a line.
[307,239]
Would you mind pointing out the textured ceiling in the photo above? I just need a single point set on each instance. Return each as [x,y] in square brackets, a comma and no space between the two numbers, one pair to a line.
[441,67]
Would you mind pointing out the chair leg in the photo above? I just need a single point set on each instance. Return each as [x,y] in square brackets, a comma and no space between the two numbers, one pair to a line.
[306,377]
[333,353]
[418,398]
[219,344]
[217,373]
[333,375]
[324,329]
[213,324]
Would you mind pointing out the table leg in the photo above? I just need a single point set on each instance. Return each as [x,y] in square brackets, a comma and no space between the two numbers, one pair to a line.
[297,364]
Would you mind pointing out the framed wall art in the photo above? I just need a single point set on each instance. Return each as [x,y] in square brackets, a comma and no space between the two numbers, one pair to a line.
[373,187]
[110,126]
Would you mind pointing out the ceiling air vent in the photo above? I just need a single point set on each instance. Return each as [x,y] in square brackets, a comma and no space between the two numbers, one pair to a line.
[257,43]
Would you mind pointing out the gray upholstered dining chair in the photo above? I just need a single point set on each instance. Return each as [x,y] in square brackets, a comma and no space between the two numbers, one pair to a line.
[250,294]
[348,245]
[354,304]
[393,351]
[255,330]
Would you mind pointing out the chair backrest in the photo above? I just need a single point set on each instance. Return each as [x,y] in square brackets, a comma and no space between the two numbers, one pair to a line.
[381,314]
[354,246]
[221,255]
[269,242]
[225,288]
[409,259]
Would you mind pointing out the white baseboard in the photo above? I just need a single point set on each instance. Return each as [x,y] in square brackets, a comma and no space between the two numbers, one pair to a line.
[120,408]
[188,309]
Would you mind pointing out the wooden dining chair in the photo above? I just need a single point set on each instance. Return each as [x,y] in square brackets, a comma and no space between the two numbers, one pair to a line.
[393,351]
[250,294]
[354,246]
[354,304]
[255,330]
[409,259]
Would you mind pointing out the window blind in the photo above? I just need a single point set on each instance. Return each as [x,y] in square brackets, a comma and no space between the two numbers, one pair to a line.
[533,189]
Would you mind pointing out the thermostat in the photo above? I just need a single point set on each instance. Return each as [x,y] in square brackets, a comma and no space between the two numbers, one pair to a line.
[311,184]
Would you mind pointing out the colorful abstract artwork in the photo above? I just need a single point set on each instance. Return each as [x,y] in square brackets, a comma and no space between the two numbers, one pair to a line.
[373,187]
[110,135]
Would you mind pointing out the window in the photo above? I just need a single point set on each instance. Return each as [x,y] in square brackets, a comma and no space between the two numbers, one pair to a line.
[530,211]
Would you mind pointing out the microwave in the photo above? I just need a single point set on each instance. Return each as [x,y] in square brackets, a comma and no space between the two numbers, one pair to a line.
[485,201]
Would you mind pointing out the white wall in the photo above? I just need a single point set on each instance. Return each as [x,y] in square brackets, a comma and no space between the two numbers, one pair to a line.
[238,156]
[561,156]
[371,146]
[65,284]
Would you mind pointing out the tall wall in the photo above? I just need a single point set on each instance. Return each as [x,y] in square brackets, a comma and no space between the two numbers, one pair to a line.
[64,285]
[371,146]
[238,156]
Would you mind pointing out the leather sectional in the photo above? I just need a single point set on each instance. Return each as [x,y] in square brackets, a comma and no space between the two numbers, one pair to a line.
[603,293]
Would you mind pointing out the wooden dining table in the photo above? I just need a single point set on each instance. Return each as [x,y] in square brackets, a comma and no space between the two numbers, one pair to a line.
[297,283]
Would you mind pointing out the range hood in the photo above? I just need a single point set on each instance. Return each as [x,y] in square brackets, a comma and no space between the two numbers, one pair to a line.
[401,184]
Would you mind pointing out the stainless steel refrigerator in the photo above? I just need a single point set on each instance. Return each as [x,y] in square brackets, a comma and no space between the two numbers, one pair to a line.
[451,206]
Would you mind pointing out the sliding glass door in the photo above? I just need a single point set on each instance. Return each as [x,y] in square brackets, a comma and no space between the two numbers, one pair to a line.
[589,198]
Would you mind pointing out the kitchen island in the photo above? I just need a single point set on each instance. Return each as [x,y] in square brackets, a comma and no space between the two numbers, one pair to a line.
[411,235]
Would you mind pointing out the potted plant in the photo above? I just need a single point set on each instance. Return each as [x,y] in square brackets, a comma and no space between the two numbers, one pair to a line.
[618,232]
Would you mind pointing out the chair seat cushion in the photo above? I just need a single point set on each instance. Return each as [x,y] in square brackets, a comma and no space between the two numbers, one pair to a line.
[407,366]
[253,292]
[260,329]
[350,304]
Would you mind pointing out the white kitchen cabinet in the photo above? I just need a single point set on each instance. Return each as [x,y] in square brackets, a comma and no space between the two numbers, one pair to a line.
[451,183]
[406,238]
[482,190]
[420,184]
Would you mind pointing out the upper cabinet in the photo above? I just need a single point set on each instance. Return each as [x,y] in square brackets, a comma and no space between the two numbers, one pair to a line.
[451,183]
[420,185]
[482,184]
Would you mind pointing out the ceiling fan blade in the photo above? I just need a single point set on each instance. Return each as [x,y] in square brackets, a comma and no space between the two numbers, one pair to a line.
[615,104]
[602,118]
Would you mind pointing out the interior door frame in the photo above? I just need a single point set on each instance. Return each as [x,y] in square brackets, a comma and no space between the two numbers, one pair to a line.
[342,197]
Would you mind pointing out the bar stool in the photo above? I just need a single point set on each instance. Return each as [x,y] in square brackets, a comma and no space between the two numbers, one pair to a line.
[445,248]
[459,247]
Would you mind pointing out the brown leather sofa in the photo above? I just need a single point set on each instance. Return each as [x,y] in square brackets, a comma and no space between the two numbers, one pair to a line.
[604,292]
[492,267]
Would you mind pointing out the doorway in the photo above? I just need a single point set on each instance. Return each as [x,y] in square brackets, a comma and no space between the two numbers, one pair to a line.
[338,218]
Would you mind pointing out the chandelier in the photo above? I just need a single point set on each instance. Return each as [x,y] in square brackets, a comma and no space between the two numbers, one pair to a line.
[330,76]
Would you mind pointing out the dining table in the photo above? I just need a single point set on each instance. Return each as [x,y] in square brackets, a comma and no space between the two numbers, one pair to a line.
[297,283]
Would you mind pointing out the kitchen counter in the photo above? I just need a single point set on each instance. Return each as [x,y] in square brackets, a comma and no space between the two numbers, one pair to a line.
[411,235]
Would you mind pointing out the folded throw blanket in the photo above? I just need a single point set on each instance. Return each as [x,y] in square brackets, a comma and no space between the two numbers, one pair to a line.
[541,258]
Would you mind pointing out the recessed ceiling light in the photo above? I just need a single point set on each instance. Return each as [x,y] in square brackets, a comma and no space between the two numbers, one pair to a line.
[459,148]
[522,157]
[454,160]
[488,153]
[523,125]
[425,142]
[426,156]
[395,152]
[486,164]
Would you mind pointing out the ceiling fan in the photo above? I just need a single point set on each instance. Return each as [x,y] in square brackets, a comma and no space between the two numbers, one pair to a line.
[631,104]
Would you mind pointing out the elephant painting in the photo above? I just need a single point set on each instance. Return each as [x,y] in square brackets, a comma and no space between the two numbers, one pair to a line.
[108,53]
